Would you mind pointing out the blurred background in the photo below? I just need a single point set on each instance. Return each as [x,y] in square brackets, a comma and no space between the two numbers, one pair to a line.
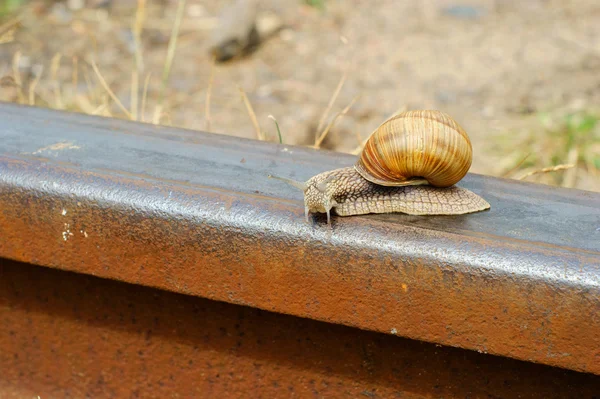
[522,77]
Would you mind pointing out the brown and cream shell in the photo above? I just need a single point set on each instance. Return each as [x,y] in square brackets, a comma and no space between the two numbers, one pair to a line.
[416,147]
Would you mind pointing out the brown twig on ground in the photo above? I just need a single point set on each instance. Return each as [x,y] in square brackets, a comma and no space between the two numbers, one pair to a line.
[546,170]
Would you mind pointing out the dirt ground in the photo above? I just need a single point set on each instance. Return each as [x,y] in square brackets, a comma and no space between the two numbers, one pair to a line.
[522,77]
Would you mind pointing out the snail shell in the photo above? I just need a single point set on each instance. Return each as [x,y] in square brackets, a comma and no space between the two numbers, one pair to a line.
[416,147]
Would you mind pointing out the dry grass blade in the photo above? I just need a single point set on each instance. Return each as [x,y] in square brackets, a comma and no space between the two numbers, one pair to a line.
[84,103]
[135,87]
[8,29]
[362,142]
[208,94]
[571,174]
[330,104]
[17,76]
[170,56]
[590,164]
[99,110]
[145,96]
[88,84]
[138,26]
[75,73]
[158,112]
[54,67]
[251,114]
[139,59]
[108,90]
[360,147]
[517,166]
[546,170]
[33,85]
[343,112]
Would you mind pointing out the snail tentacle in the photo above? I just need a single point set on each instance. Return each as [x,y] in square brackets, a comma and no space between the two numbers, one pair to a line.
[298,184]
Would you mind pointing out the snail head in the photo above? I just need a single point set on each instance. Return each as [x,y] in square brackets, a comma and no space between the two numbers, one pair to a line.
[318,196]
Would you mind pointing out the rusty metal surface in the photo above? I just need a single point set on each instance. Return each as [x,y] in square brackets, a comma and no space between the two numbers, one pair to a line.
[65,335]
[194,213]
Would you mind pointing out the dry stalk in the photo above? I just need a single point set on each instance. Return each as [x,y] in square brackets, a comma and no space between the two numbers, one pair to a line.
[135,86]
[139,59]
[208,94]
[138,26]
[330,104]
[546,170]
[108,90]
[343,112]
[83,102]
[170,56]
[251,114]
[33,85]
[145,96]
[17,76]
[75,73]
[360,147]
[517,166]
[88,84]
[99,109]
[54,67]
[158,112]
[8,29]
[571,174]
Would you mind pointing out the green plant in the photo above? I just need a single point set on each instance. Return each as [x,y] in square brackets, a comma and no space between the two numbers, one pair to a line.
[9,6]
[565,141]
[320,4]
[577,132]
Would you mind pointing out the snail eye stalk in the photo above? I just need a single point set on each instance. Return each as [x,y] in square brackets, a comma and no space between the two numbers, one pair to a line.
[298,184]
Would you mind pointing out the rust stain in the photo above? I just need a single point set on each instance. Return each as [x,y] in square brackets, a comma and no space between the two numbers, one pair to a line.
[533,303]
[68,335]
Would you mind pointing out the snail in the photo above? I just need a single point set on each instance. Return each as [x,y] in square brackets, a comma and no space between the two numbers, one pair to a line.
[409,164]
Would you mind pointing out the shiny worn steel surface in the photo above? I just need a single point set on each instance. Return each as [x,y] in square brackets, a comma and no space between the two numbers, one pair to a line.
[66,335]
[195,213]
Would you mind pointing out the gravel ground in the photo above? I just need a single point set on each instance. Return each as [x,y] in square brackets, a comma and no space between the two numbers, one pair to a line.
[510,72]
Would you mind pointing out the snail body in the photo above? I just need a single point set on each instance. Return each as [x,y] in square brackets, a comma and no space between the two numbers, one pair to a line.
[410,164]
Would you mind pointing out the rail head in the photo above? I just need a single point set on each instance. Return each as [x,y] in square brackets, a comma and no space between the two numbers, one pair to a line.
[195,213]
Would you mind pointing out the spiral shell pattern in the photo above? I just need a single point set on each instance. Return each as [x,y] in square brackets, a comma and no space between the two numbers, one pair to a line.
[414,146]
